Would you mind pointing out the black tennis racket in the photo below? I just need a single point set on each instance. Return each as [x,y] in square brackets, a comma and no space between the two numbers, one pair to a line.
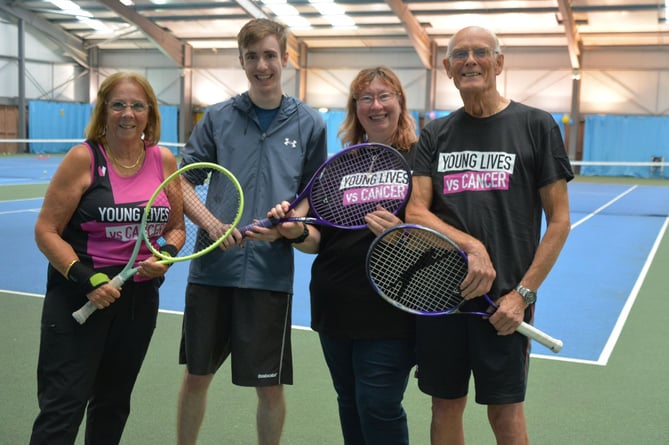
[186,191]
[350,185]
[419,270]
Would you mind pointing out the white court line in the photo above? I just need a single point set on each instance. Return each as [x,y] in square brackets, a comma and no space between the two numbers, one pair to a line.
[164,311]
[624,313]
[10,212]
[600,209]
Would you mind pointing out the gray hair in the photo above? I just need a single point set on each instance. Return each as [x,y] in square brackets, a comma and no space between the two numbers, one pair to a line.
[493,36]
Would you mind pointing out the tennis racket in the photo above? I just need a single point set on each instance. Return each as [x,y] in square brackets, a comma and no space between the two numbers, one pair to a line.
[350,185]
[419,270]
[186,191]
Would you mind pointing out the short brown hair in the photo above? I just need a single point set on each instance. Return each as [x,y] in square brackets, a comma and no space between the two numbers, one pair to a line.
[258,29]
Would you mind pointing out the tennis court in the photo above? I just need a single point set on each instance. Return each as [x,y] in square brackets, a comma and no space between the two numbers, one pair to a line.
[603,299]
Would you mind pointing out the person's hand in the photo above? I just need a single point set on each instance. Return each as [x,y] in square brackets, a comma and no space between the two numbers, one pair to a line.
[509,315]
[104,295]
[152,268]
[288,229]
[380,220]
[259,233]
[480,275]
[217,229]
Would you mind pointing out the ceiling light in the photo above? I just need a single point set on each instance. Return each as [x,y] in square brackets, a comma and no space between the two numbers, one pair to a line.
[333,13]
[287,14]
[71,7]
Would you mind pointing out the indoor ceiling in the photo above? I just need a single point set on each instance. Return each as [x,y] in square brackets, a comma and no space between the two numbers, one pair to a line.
[77,26]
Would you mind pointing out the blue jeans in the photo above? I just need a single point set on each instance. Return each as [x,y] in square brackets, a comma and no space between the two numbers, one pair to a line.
[370,377]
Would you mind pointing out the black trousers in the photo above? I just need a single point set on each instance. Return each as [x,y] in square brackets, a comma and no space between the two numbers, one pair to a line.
[92,367]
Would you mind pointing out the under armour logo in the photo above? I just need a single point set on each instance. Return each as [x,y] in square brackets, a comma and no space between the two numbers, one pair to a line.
[288,142]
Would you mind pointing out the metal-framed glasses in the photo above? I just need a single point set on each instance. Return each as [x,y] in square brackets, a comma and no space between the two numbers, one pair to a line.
[367,99]
[479,54]
[137,107]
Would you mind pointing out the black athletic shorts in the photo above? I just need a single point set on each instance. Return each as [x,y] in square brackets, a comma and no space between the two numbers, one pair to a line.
[252,326]
[451,348]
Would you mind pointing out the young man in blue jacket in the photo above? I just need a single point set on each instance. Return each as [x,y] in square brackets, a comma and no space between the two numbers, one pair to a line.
[238,300]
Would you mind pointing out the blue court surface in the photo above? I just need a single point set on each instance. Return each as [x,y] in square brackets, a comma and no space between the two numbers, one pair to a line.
[585,300]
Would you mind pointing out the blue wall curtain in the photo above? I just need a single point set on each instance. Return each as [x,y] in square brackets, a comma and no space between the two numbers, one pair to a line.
[65,120]
[56,120]
[624,139]
[333,120]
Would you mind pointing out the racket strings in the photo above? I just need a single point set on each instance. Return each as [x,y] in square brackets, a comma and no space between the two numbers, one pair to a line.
[215,201]
[417,272]
[354,183]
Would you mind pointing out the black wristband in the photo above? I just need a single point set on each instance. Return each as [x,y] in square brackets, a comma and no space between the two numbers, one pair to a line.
[301,238]
[86,278]
[169,250]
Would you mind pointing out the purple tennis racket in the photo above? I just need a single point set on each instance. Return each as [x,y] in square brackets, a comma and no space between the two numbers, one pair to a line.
[350,185]
[419,270]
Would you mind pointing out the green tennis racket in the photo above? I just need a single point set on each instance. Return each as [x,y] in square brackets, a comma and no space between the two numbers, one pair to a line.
[188,191]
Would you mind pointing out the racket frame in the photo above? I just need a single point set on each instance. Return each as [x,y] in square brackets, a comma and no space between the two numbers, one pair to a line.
[524,328]
[306,193]
[82,314]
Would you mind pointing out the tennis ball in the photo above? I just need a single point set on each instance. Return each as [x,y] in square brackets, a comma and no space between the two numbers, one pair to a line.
[565,119]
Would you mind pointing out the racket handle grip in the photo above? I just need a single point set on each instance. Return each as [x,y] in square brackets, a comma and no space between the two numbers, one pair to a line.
[85,311]
[540,336]
[265,222]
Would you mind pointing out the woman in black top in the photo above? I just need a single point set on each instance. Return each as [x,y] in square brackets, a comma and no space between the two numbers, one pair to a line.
[368,344]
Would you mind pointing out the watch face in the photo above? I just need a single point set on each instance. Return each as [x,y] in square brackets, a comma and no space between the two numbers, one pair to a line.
[528,295]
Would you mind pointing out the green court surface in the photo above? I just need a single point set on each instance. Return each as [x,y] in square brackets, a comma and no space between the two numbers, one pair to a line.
[625,401]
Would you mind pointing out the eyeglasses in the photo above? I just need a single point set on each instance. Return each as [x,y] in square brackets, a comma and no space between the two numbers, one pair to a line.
[368,100]
[479,54]
[137,107]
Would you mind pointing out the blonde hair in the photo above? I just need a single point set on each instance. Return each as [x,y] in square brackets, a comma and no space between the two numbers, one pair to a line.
[96,128]
[351,131]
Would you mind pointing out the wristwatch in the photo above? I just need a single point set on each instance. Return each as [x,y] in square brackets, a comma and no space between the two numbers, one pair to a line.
[301,238]
[529,296]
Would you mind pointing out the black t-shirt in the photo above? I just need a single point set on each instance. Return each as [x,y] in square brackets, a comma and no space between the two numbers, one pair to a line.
[486,175]
[343,302]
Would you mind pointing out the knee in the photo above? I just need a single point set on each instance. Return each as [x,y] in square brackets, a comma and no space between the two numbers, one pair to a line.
[270,394]
[448,408]
[196,384]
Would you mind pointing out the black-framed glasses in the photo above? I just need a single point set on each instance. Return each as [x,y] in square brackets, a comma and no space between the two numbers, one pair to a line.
[137,107]
[479,53]
[368,99]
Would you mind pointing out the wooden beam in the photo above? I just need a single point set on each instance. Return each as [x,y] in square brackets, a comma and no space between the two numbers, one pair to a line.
[72,46]
[166,42]
[573,38]
[421,41]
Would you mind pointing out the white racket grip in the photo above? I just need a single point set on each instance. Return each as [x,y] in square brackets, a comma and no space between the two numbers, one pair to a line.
[84,312]
[117,281]
[539,336]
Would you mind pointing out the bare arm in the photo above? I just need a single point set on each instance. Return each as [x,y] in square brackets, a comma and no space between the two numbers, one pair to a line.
[481,273]
[60,201]
[555,202]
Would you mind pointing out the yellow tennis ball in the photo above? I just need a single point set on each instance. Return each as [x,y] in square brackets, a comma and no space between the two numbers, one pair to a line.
[565,119]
